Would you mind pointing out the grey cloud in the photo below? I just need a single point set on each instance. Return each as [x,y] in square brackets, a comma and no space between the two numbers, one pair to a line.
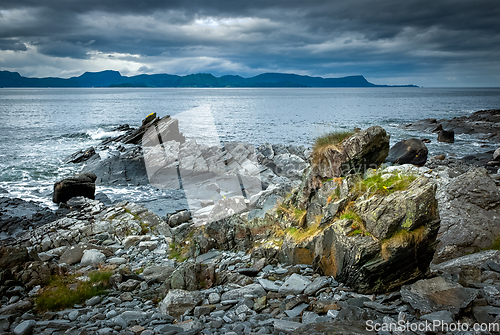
[374,38]
[12,44]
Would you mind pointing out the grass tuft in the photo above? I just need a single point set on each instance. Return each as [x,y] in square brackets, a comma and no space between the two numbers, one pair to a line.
[377,185]
[65,291]
[327,141]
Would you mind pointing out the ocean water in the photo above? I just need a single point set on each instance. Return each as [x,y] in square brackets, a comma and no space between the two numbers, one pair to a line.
[40,127]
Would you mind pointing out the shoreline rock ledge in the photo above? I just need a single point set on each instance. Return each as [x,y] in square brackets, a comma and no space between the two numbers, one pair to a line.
[332,254]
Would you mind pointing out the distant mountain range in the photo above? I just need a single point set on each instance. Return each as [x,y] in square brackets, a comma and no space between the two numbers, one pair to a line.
[115,79]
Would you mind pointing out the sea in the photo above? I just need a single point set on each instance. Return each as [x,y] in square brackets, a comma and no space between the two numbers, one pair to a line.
[39,127]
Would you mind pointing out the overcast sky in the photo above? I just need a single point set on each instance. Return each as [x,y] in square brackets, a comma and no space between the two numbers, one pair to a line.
[422,42]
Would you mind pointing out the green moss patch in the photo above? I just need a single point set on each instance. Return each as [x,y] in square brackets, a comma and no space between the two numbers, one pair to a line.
[65,291]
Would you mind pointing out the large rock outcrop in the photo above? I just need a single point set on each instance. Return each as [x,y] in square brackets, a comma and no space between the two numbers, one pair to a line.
[394,244]
[363,150]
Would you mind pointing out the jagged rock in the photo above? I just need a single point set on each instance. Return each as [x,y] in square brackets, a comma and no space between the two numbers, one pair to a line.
[399,250]
[227,207]
[225,234]
[80,156]
[363,150]
[384,215]
[316,285]
[436,294]
[178,301]
[186,277]
[447,136]
[467,268]
[412,151]
[157,273]
[469,207]
[17,215]
[13,256]
[80,185]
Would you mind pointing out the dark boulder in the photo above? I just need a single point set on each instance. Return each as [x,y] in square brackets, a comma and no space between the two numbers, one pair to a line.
[80,156]
[447,136]
[80,185]
[412,151]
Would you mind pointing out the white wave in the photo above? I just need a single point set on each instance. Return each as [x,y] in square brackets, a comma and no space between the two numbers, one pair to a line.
[100,133]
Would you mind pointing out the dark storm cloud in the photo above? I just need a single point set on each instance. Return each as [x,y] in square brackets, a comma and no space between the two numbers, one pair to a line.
[376,38]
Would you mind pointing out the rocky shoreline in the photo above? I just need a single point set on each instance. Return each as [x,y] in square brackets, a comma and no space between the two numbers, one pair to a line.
[319,250]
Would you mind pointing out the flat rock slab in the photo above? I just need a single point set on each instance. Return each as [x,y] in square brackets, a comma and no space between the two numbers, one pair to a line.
[269,285]
[286,326]
[295,284]
[436,294]
[237,294]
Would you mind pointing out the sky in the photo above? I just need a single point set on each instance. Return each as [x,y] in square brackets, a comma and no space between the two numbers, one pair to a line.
[431,43]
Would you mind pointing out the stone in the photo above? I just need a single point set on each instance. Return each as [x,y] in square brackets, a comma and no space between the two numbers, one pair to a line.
[468,267]
[297,310]
[214,298]
[17,308]
[80,185]
[131,317]
[309,317]
[436,294]
[237,294]
[286,326]
[25,327]
[496,155]
[412,151]
[117,260]
[441,317]
[147,245]
[131,240]
[74,254]
[363,150]
[13,256]
[80,156]
[157,273]
[492,295]
[129,285]
[269,285]
[179,218]
[93,301]
[447,136]
[186,276]
[92,257]
[295,284]
[179,301]
[405,226]
[469,208]
[317,284]
[383,215]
